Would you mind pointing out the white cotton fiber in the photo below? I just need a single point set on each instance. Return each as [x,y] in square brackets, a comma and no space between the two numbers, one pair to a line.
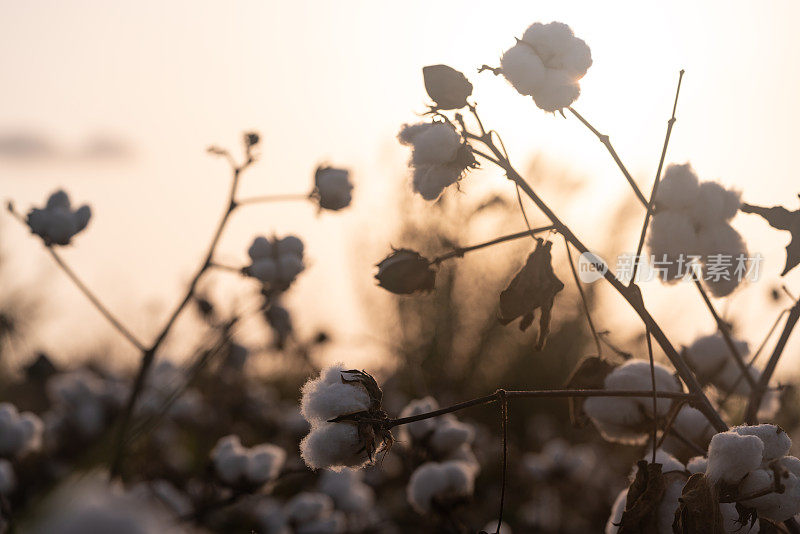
[333,446]
[308,506]
[450,434]
[523,68]
[438,144]
[440,481]
[635,375]
[678,188]
[418,429]
[714,204]
[731,456]
[612,525]
[236,464]
[776,441]
[327,396]
[697,464]
[348,490]
[430,181]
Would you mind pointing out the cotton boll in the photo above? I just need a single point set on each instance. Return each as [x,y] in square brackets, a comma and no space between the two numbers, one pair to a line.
[558,48]
[722,248]
[260,249]
[306,507]
[409,132]
[523,69]
[289,245]
[668,462]
[333,188]
[289,266]
[451,434]
[678,189]
[264,462]
[263,269]
[8,480]
[558,91]
[730,520]
[57,223]
[731,456]
[430,181]
[348,490]
[436,145]
[776,441]
[698,464]
[714,204]
[230,460]
[618,419]
[439,481]
[672,237]
[612,526]
[694,426]
[635,375]
[418,429]
[774,506]
[19,432]
[327,396]
[669,505]
[58,199]
[333,446]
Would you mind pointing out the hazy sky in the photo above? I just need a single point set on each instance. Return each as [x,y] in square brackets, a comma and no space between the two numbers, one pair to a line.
[117,101]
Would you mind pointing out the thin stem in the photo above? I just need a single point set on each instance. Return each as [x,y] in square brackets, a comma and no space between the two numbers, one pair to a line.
[653,382]
[607,143]
[223,267]
[504,427]
[459,252]
[722,326]
[586,311]
[670,124]
[751,414]
[104,311]
[148,356]
[630,293]
[537,394]
[127,334]
[272,198]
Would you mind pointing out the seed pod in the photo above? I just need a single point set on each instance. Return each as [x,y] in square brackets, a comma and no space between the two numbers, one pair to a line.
[404,272]
[446,86]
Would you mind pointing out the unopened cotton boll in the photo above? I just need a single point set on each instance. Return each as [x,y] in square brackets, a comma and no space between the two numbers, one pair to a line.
[327,396]
[441,482]
[731,456]
[678,189]
[547,64]
[20,433]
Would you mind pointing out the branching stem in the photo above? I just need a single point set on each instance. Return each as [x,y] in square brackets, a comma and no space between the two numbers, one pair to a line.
[459,252]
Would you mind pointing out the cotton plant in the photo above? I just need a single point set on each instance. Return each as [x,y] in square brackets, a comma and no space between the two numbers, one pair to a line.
[240,466]
[57,222]
[692,225]
[20,433]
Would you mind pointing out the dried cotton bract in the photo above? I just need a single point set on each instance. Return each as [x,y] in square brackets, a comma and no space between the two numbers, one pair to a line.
[439,157]
[57,222]
[349,397]
[332,188]
[629,419]
[239,466]
[276,262]
[547,64]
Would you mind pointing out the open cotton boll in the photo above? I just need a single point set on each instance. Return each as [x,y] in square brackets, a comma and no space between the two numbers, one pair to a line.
[308,506]
[430,181]
[348,491]
[57,222]
[669,505]
[672,237]
[558,91]
[723,251]
[436,145]
[523,69]
[714,204]
[333,188]
[333,446]
[731,456]
[450,434]
[236,464]
[678,188]
[327,396]
[441,482]
[698,464]
[730,520]
[774,506]
[558,47]
[691,425]
[19,432]
[618,419]
[776,441]
[668,462]
[418,429]
[635,375]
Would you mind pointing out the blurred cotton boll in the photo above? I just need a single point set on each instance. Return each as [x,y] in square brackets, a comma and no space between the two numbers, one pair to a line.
[313,513]
[440,484]
[348,491]
[57,222]
[277,262]
[332,188]
[8,480]
[241,466]
[20,433]
[547,64]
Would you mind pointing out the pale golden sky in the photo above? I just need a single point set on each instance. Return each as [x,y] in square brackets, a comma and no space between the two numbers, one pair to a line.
[332,82]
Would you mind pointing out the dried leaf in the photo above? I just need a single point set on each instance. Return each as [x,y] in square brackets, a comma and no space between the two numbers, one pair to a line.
[782,219]
[446,86]
[644,496]
[698,508]
[590,373]
[534,286]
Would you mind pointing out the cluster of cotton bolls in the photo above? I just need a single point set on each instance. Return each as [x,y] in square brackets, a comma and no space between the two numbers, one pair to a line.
[547,64]
[352,496]
[439,157]
[448,475]
[57,222]
[692,220]
[332,188]
[276,262]
[676,475]
[336,392]
[239,466]
[629,419]
[82,404]
[755,460]
[20,433]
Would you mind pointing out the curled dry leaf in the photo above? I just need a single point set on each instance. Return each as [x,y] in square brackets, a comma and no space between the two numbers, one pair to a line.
[446,86]
[698,508]
[534,286]
[782,219]
[590,373]
[644,496]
